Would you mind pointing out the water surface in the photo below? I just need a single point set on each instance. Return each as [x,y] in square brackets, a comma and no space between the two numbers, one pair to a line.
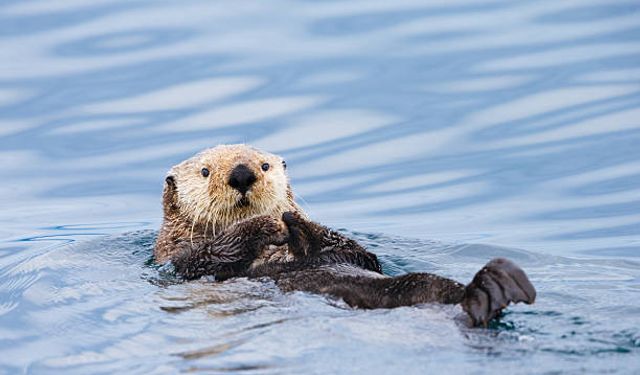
[439,134]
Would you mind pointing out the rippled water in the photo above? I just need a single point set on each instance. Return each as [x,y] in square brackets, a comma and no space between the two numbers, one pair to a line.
[440,134]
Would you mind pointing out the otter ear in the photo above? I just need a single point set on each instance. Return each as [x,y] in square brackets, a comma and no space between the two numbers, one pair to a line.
[169,194]
[171,181]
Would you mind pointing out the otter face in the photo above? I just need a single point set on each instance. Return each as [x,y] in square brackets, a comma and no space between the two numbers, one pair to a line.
[225,184]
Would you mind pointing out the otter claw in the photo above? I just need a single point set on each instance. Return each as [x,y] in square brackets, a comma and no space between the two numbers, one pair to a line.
[499,283]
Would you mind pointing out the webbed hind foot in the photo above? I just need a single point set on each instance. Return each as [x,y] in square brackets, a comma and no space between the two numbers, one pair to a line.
[499,283]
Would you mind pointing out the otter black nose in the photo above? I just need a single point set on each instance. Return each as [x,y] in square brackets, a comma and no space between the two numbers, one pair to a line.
[241,178]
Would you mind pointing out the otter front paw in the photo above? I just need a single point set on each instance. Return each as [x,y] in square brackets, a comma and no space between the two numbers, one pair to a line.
[269,230]
[499,283]
[305,237]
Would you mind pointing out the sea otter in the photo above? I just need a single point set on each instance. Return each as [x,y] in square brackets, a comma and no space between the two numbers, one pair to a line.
[229,211]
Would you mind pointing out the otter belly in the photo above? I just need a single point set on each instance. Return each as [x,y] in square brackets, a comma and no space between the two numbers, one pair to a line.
[339,280]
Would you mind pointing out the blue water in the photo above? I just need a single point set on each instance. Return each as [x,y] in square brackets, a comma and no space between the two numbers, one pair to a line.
[440,134]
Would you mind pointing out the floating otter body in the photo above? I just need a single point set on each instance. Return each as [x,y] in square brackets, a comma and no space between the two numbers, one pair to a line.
[229,212]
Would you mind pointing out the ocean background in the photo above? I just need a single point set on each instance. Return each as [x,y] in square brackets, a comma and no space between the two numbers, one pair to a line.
[439,134]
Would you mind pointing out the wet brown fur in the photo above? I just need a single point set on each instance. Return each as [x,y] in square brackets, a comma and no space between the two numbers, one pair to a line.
[207,232]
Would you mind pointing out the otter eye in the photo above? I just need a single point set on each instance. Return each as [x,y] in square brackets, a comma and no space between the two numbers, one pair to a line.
[265,167]
[284,164]
[205,172]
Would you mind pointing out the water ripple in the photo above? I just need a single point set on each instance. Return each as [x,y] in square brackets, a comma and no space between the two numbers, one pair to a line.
[464,125]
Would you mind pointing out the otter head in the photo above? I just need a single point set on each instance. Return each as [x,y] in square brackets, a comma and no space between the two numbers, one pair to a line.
[223,185]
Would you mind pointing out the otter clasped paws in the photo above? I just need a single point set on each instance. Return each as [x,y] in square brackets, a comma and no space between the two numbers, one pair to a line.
[499,283]
[230,253]
[268,230]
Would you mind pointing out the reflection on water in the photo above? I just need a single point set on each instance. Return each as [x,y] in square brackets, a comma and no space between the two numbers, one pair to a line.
[511,124]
